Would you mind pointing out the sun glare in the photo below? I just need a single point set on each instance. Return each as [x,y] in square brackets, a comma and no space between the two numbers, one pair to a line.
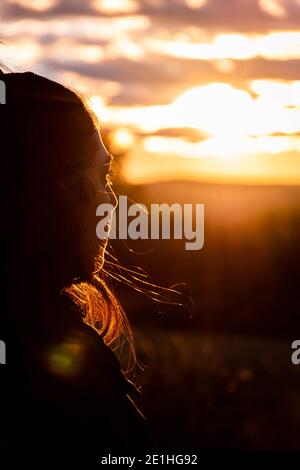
[115,6]
[273,7]
[122,139]
[236,123]
[280,45]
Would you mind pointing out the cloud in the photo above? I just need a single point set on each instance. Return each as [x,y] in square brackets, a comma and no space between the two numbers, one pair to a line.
[160,81]
[195,78]
[188,134]
[35,5]
[279,45]
[220,15]
[224,15]
[21,9]
[273,7]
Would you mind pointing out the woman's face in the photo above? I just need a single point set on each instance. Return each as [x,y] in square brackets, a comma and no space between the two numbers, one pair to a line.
[98,175]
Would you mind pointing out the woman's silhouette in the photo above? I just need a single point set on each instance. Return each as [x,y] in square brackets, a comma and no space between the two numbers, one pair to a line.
[62,386]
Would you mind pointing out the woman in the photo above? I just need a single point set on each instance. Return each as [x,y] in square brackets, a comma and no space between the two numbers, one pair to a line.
[62,385]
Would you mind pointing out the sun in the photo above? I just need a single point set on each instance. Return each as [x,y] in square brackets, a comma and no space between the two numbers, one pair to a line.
[123,139]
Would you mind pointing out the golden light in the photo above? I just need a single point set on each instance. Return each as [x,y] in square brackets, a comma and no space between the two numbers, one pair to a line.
[273,7]
[196,3]
[282,93]
[20,54]
[222,147]
[115,6]
[66,50]
[93,28]
[279,45]
[91,53]
[122,139]
[124,47]
[144,167]
[224,65]
[218,109]
[238,119]
[245,133]
[97,105]
[235,122]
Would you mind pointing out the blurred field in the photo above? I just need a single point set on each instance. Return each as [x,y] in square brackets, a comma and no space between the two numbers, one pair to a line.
[225,392]
[222,379]
[245,279]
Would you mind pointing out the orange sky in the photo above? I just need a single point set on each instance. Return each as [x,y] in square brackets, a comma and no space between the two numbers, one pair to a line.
[192,89]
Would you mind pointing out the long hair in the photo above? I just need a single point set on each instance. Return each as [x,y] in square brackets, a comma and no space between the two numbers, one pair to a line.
[49,140]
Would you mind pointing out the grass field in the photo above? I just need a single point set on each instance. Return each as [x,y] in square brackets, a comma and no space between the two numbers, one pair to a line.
[223,379]
[202,391]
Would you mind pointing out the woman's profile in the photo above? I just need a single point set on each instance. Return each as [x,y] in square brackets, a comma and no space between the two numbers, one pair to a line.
[62,386]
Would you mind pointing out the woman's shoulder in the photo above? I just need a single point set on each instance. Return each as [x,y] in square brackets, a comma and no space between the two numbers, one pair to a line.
[73,351]
[72,383]
[88,372]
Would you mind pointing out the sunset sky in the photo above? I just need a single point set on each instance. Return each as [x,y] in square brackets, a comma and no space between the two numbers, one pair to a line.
[193,89]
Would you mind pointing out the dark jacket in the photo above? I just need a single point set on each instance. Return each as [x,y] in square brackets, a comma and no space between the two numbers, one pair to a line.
[62,388]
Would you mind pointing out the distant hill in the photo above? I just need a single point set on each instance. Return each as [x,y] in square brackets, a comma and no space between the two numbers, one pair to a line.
[246,277]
